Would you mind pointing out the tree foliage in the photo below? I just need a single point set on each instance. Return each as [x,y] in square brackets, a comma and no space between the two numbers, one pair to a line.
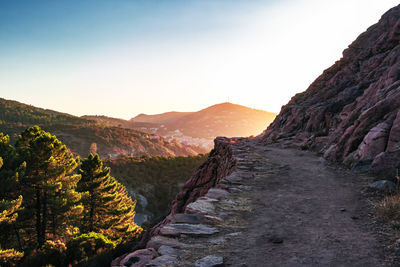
[110,210]
[48,184]
[8,215]
[42,212]
[156,178]
[10,257]
[85,246]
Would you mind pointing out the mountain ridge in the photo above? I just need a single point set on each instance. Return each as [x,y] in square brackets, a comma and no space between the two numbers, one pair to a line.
[80,134]
[201,127]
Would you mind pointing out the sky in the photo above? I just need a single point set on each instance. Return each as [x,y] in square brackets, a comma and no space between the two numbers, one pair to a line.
[124,57]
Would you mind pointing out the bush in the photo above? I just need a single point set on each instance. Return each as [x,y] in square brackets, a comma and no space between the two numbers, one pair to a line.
[10,257]
[86,246]
[52,253]
[389,210]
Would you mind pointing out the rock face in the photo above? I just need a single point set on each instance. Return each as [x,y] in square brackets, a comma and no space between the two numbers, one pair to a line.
[351,113]
[136,259]
[220,164]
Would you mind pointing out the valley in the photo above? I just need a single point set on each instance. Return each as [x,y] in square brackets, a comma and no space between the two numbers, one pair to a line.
[227,185]
[153,181]
[198,128]
[83,136]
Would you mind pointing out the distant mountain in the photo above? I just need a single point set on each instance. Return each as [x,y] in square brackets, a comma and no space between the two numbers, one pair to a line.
[79,134]
[167,117]
[203,126]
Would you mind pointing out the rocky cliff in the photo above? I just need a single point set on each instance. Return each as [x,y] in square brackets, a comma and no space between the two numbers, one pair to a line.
[191,211]
[351,113]
[220,164]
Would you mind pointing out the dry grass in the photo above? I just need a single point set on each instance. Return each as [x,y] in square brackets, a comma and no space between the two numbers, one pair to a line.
[389,210]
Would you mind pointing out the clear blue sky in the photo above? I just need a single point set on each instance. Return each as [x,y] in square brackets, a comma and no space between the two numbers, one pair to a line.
[124,57]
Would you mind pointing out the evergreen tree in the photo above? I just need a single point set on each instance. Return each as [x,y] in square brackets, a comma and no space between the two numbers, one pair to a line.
[109,209]
[8,210]
[8,169]
[9,172]
[47,185]
[8,215]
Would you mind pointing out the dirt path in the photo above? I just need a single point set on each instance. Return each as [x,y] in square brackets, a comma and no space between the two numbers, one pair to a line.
[290,208]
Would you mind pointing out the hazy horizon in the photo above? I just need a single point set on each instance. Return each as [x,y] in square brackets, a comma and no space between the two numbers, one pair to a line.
[123,58]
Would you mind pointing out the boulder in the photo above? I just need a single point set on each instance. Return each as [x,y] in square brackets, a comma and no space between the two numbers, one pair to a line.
[137,258]
[216,193]
[374,142]
[383,186]
[187,229]
[188,218]
[165,260]
[394,137]
[167,250]
[209,261]
[157,241]
[387,164]
[202,206]
[234,178]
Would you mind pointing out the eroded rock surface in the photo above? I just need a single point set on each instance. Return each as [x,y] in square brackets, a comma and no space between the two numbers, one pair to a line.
[210,261]
[177,229]
[220,164]
[351,113]
[138,258]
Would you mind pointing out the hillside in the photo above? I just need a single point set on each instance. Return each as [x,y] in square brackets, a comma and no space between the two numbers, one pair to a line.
[109,121]
[351,113]
[79,133]
[224,119]
[201,127]
[166,117]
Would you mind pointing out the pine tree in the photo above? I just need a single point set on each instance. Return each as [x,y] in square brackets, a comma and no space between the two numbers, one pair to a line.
[8,215]
[8,169]
[47,185]
[109,209]
[8,210]
[9,172]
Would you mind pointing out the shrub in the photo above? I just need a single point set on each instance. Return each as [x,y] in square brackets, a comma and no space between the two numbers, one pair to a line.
[84,247]
[389,210]
[10,257]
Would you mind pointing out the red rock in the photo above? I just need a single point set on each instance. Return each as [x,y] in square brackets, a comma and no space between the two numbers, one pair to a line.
[354,105]
[220,164]
[157,241]
[374,142]
[136,259]
[394,137]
